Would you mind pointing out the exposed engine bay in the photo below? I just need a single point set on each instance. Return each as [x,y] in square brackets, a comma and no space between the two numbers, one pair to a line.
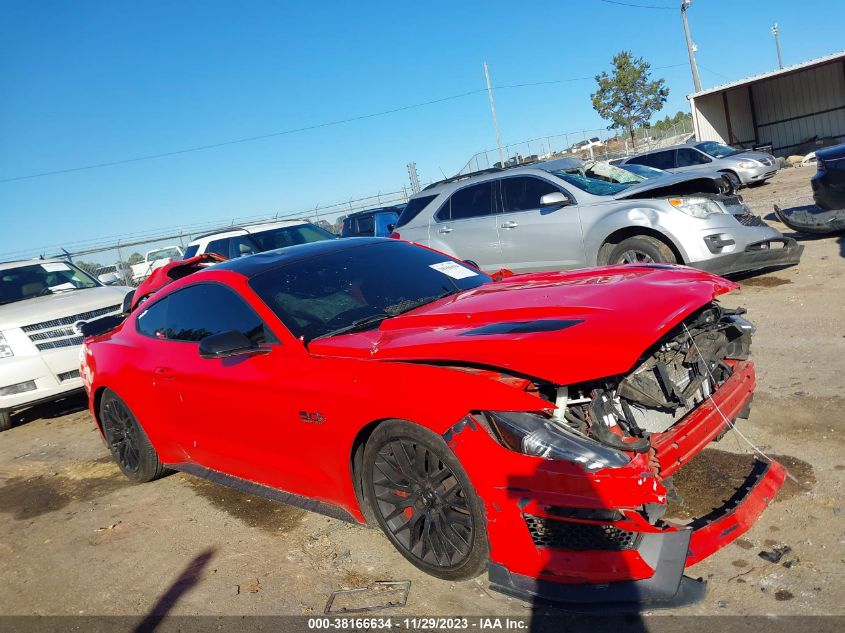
[671,379]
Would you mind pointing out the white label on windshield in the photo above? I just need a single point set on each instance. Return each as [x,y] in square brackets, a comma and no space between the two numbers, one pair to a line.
[453,269]
[55,267]
[64,286]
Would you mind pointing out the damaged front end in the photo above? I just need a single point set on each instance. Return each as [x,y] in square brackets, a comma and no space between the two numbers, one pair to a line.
[584,522]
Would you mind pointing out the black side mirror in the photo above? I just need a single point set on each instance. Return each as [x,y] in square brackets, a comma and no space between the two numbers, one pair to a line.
[127,302]
[226,344]
[390,227]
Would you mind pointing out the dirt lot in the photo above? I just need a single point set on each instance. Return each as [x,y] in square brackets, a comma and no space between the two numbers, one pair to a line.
[77,538]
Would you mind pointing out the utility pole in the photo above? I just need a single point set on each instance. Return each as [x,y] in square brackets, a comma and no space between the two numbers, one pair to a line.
[690,46]
[493,112]
[776,35]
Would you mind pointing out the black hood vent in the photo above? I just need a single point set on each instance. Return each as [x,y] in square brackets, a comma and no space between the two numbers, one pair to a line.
[523,327]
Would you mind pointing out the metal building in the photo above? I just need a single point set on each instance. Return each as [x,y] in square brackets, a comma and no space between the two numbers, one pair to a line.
[785,108]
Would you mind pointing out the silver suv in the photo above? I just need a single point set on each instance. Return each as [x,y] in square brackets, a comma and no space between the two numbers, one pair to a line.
[743,167]
[553,216]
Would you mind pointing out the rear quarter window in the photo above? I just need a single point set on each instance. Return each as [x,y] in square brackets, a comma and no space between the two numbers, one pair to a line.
[415,206]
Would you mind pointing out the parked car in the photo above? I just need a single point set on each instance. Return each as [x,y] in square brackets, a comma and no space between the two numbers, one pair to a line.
[238,241]
[370,223]
[43,305]
[153,259]
[549,216]
[743,167]
[487,452]
[586,145]
[829,181]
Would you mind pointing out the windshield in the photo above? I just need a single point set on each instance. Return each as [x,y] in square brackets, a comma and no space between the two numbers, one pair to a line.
[164,253]
[290,236]
[593,186]
[38,280]
[643,170]
[717,150]
[358,287]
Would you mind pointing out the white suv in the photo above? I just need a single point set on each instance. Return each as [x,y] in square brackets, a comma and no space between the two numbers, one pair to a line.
[43,306]
[238,241]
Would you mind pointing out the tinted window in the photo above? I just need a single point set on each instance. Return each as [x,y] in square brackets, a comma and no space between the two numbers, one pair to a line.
[365,225]
[320,295]
[660,160]
[221,247]
[717,150]
[289,236]
[413,209]
[688,156]
[524,193]
[241,246]
[470,202]
[191,251]
[199,311]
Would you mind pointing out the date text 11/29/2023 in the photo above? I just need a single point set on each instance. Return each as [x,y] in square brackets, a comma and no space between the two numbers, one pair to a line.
[419,624]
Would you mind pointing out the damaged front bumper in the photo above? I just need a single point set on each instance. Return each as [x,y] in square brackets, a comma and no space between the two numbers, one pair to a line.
[784,251]
[560,533]
[812,219]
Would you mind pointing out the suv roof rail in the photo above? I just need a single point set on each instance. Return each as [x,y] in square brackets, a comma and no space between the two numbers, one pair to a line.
[246,227]
[464,176]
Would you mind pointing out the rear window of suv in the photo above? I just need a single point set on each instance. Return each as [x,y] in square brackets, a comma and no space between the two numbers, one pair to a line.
[413,209]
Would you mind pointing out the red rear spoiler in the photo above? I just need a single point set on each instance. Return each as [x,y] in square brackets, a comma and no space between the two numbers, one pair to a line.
[162,276]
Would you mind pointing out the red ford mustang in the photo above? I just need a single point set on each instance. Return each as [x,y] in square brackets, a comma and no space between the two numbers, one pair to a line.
[529,425]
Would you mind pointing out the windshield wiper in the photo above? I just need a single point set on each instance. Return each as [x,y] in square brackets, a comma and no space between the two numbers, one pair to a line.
[359,324]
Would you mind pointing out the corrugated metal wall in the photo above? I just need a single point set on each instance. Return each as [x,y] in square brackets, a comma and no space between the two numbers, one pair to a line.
[797,95]
[789,109]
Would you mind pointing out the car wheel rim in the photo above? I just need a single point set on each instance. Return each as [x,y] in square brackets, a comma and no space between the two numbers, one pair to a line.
[122,435]
[423,504]
[635,257]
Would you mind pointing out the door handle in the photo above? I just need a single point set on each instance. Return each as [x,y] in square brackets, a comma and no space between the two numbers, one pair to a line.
[446,229]
[509,224]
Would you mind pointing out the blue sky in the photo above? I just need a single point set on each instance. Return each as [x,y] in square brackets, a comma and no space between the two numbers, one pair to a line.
[88,82]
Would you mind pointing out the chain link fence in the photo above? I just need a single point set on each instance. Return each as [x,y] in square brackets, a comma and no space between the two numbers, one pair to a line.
[599,144]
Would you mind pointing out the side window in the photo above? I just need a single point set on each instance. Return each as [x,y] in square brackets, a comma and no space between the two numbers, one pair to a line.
[199,311]
[221,247]
[662,160]
[470,202]
[365,225]
[241,246]
[688,156]
[523,193]
[191,251]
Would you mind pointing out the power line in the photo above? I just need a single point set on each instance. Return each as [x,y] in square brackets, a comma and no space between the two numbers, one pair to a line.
[638,6]
[259,137]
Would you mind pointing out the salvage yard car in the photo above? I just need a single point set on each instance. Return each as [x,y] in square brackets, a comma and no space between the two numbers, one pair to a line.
[744,167]
[43,305]
[552,216]
[531,427]
[240,241]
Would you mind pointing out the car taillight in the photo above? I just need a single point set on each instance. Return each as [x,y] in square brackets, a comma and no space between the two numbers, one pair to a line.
[395,235]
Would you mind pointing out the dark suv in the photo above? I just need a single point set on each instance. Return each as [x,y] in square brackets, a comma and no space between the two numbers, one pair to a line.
[371,223]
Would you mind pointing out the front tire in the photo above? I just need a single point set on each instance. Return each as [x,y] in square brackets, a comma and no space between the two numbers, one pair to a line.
[424,502]
[129,445]
[641,249]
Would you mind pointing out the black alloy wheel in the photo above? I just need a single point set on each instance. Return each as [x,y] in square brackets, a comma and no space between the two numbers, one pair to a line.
[424,502]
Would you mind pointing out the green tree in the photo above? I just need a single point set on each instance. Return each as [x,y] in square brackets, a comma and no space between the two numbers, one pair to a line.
[135,258]
[627,97]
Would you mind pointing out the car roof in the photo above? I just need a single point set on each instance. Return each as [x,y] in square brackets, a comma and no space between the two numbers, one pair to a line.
[232,231]
[260,262]
[29,262]
[393,208]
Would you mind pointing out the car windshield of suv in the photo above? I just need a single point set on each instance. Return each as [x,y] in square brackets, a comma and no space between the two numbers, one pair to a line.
[290,236]
[38,280]
[717,150]
[592,186]
[357,288]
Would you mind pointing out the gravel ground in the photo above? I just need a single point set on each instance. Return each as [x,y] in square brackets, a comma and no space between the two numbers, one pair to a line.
[77,538]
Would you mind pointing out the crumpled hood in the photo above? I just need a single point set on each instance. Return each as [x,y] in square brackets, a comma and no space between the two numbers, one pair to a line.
[59,305]
[561,327]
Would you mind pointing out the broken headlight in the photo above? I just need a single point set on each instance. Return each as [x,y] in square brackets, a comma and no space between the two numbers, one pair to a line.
[697,207]
[533,434]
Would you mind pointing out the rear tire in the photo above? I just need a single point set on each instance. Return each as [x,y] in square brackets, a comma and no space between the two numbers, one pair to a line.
[5,420]
[424,502]
[641,249]
[129,445]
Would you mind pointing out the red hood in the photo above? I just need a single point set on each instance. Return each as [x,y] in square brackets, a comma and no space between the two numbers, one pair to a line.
[606,319]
